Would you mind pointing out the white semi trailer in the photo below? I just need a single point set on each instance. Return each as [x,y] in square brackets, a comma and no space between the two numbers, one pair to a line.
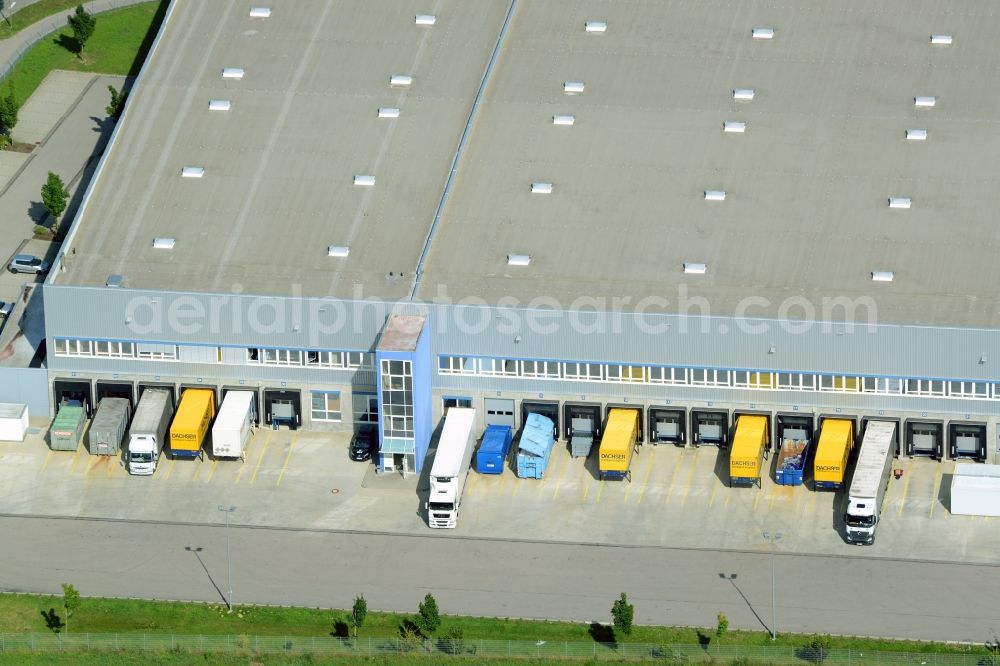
[869,483]
[451,467]
[148,432]
[234,425]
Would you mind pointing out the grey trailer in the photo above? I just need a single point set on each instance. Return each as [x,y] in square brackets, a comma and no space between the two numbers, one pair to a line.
[108,427]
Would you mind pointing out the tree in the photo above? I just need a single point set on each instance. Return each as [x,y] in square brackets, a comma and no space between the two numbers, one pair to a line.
[722,626]
[71,601]
[54,197]
[8,112]
[358,614]
[622,612]
[82,23]
[428,618]
[114,109]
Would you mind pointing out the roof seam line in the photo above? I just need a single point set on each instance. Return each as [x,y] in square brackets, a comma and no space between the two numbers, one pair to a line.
[418,274]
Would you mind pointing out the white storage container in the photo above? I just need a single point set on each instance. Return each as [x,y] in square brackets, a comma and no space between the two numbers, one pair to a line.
[13,422]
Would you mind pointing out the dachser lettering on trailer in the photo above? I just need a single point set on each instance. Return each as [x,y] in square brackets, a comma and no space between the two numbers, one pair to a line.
[827,468]
[744,463]
[612,456]
[184,435]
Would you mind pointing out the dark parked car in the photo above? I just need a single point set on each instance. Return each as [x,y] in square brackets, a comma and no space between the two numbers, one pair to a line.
[364,444]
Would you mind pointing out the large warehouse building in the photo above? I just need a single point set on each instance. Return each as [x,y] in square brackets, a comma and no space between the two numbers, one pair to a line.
[694,208]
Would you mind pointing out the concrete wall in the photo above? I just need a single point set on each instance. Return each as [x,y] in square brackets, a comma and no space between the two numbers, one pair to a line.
[28,386]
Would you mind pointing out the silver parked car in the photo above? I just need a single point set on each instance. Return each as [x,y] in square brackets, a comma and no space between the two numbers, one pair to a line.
[5,309]
[28,263]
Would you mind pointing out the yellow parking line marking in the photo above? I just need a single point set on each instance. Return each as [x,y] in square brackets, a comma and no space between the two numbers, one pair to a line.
[673,478]
[756,498]
[937,485]
[170,469]
[211,472]
[45,463]
[243,461]
[711,499]
[471,483]
[906,488]
[72,463]
[197,468]
[600,489]
[503,479]
[687,485]
[112,464]
[284,466]
[772,500]
[645,480]
[560,479]
[267,441]
[798,496]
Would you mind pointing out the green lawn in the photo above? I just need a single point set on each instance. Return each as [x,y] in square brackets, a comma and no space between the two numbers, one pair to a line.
[31,14]
[180,659]
[118,46]
[23,613]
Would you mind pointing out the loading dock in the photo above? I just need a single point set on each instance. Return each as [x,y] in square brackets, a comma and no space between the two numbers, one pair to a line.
[103,389]
[967,440]
[73,391]
[793,426]
[638,409]
[209,387]
[924,438]
[448,402]
[250,389]
[771,444]
[547,408]
[170,388]
[709,427]
[282,407]
[667,425]
[583,427]
[500,411]
[897,433]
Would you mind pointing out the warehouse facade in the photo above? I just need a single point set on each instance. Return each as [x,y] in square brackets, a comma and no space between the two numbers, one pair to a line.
[372,213]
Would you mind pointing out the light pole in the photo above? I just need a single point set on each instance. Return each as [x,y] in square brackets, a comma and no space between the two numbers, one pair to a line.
[229,555]
[773,538]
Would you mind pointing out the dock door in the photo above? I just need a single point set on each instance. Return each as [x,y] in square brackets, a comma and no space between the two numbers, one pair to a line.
[115,390]
[73,392]
[547,408]
[709,427]
[500,412]
[581,427]
[282,408]
[666,425]
[638,409]
[967,440]
[924,438]
[794,426]
[252,390]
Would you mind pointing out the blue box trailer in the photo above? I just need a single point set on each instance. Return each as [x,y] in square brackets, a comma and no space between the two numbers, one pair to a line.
[493,449]
[535,446]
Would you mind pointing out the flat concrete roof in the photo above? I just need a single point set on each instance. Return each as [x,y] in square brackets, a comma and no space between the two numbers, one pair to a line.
[278,185]
[805,214]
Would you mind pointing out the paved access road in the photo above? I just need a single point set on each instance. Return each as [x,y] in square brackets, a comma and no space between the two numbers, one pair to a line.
[503,578]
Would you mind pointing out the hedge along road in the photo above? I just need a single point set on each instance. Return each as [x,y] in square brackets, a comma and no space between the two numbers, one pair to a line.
[575,582]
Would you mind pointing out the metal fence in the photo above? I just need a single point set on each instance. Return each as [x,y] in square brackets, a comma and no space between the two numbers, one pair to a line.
[438,648]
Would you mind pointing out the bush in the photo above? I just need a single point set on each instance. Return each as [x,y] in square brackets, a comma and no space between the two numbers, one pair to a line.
[817,649]
[453,641]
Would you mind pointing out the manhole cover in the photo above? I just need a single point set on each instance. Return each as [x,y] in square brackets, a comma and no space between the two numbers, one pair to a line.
[335,491]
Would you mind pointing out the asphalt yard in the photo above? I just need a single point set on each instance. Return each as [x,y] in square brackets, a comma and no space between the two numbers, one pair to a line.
[676,498]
